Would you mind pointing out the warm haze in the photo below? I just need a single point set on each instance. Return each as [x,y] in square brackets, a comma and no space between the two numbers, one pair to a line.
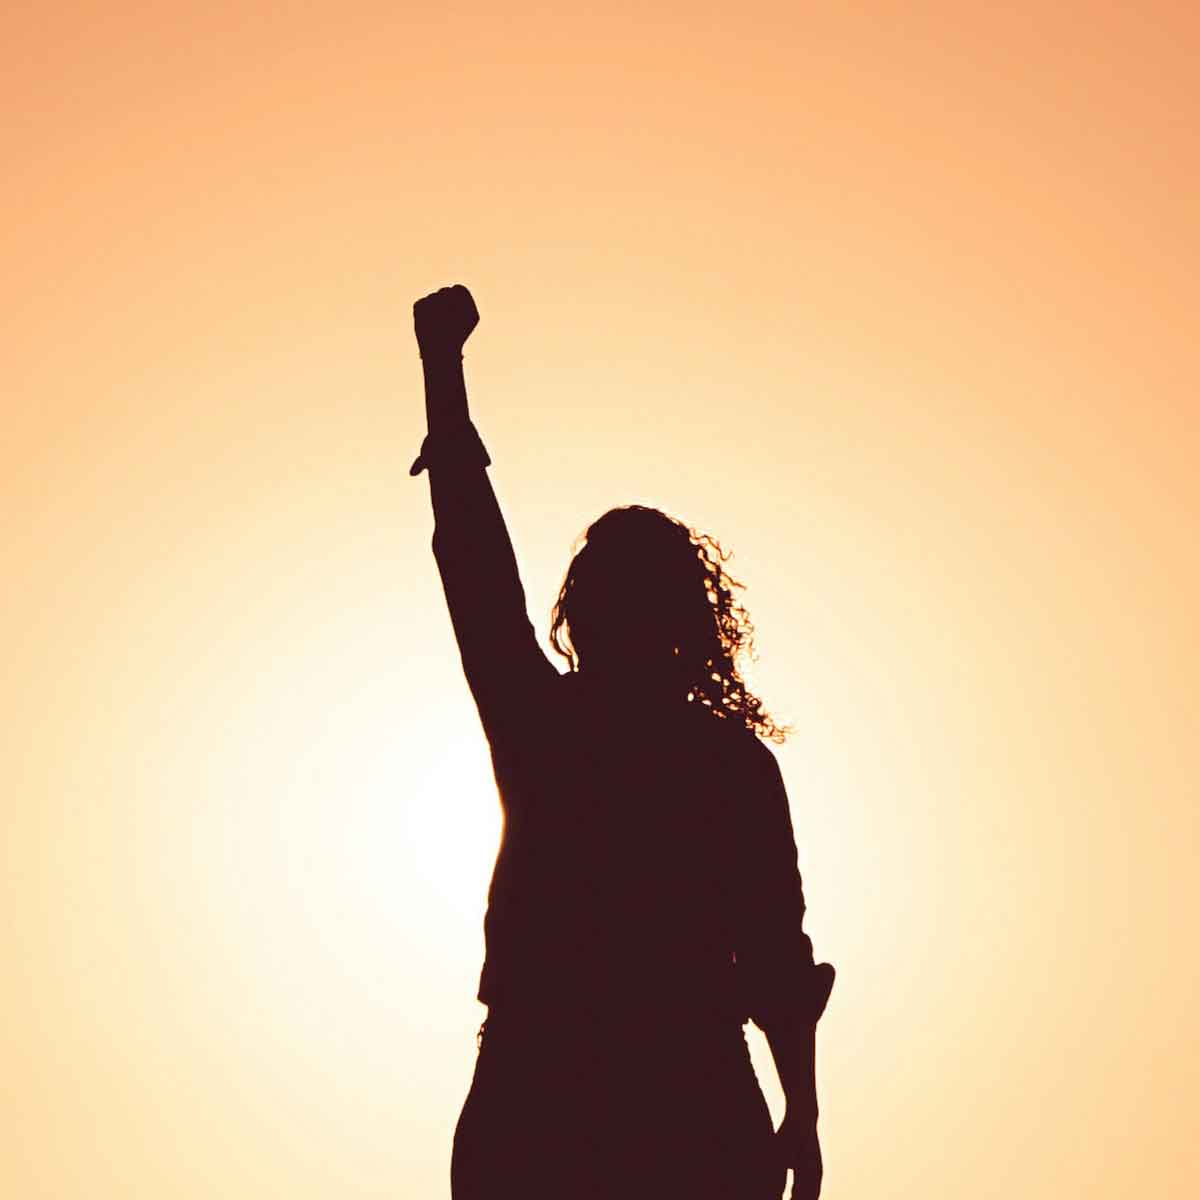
[921,285]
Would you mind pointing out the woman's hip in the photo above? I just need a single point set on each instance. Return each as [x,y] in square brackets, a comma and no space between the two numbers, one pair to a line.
[636,1109]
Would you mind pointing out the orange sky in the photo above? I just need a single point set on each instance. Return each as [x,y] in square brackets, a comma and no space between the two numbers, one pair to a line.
[900,304]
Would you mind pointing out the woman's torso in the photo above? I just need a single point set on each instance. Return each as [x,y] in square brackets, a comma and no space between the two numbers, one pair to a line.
[615,889]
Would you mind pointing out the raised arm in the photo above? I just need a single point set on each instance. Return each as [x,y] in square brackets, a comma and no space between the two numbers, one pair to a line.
[789,990]
[507,672]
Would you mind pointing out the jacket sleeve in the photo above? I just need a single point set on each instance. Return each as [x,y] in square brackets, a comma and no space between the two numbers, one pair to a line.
[507,672]
[783,984]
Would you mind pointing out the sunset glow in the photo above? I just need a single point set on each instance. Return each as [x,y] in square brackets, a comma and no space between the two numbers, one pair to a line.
[900,304]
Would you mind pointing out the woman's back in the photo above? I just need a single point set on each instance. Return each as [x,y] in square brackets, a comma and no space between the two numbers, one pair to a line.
[617,882]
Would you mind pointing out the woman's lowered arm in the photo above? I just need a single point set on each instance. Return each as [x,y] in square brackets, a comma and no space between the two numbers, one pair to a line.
[501,659]
[790,990]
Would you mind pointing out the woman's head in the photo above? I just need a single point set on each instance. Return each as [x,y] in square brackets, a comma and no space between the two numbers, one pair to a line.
[646,598]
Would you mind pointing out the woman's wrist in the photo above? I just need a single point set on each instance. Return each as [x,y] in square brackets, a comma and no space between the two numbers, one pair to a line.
[440,358]
[801,1112]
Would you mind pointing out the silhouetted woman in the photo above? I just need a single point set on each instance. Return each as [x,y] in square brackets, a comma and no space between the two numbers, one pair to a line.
[645,900]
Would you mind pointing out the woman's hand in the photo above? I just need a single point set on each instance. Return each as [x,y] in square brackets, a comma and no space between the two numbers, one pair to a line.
[443,321]
[799,1148]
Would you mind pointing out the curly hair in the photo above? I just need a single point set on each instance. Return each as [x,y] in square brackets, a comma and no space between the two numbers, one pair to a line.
[645,577]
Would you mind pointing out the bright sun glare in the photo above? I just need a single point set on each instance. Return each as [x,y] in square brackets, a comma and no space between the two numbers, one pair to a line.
[451,829]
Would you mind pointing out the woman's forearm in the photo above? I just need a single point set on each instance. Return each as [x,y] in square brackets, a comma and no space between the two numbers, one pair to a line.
[445,391]
[794,1048]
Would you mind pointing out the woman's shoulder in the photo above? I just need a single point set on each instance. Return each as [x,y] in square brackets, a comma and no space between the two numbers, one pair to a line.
[732,738]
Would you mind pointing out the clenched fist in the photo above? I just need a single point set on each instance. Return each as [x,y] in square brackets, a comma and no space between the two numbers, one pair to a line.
[443,321]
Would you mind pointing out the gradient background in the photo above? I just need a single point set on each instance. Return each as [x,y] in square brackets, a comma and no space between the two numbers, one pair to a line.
[901,304]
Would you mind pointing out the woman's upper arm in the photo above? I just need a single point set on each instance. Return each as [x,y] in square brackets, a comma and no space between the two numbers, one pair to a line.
[506,670]
[784,980]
